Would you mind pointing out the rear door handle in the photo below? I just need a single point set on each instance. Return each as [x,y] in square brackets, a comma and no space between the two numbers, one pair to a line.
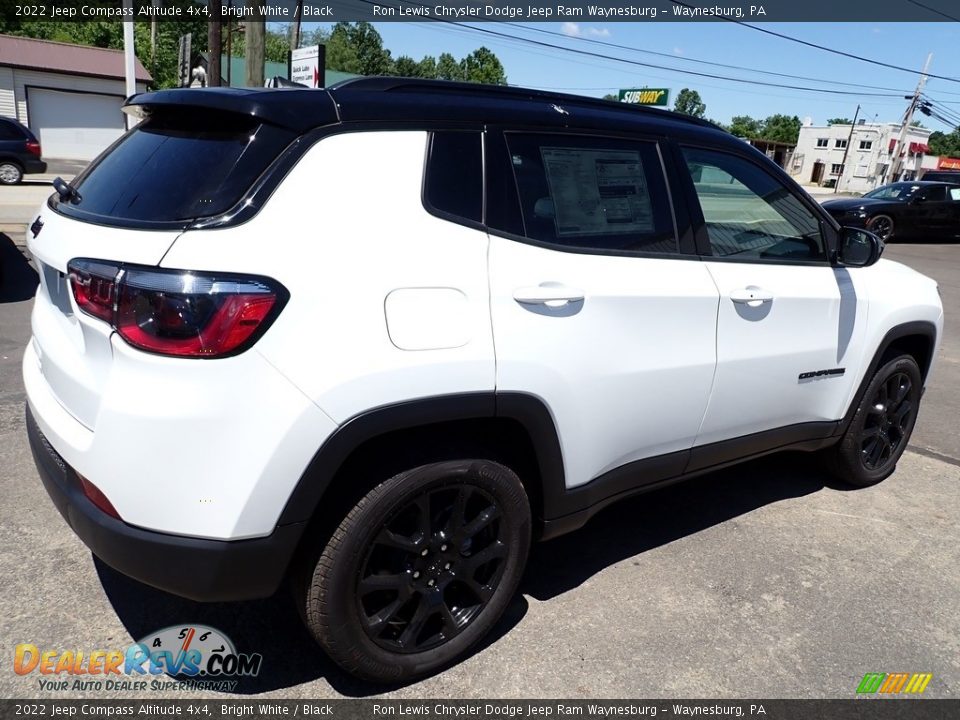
[549,294]
[752,296]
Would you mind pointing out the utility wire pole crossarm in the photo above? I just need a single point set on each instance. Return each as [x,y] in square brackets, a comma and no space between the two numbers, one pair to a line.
[897,164]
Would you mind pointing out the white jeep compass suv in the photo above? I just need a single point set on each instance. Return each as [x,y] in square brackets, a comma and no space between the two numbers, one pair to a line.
[374,339]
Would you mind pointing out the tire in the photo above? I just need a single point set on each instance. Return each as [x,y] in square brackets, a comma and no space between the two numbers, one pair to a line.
[882,226]
[420,570]
[10,173]
[880,429]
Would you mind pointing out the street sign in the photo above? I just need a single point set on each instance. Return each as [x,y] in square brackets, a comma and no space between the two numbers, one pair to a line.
[645,96]
[183,60]
[307,66]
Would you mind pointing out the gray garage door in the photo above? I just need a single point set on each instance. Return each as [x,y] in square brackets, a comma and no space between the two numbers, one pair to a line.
[75,126]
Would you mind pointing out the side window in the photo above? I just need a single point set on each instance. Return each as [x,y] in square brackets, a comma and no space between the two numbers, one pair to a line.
[592,193]
[454,178]
[749,214]
[937,193]
[955,193]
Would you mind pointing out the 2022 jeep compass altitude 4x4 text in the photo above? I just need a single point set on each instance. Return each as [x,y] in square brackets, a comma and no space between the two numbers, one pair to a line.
[372,340]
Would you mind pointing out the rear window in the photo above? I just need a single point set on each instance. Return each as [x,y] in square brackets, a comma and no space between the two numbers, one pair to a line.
[9,131]
[179,167]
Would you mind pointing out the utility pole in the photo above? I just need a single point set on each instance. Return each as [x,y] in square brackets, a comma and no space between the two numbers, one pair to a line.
[898,153]
[129,57]
[295,34]
[843,163]
[214,42]
[255,38]
[153,39]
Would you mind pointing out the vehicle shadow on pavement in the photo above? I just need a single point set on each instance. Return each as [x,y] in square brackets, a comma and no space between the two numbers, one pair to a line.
[631,527]
[18,280]
[271,627]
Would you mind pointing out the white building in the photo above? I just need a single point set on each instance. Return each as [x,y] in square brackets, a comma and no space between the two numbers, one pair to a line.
[818,159]
[69,95]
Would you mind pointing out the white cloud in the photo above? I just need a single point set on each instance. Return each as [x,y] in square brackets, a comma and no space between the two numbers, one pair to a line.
[678,51]
[573,29]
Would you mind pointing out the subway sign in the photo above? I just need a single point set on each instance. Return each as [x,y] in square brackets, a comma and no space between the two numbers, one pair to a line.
[645,96]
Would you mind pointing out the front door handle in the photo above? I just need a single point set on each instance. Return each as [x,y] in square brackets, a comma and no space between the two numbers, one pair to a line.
[752,296]
[549,294]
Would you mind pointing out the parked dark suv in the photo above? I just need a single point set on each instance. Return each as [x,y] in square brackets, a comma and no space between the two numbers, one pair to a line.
[19,152]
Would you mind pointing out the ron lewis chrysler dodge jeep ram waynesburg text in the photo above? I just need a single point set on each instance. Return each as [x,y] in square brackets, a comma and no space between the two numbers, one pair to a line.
[374,339]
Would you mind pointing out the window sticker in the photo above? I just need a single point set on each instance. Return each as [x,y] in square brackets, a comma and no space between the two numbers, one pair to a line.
[597,191]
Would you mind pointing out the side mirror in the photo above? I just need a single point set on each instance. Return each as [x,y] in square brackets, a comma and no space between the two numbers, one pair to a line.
[858,248]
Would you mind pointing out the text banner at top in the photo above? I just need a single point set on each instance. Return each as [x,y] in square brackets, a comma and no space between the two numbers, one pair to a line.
[445,11]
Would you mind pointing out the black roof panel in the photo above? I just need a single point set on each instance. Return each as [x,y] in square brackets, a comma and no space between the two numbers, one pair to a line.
[432,101]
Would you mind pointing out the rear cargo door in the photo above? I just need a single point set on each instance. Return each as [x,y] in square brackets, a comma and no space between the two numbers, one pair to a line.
[128,208]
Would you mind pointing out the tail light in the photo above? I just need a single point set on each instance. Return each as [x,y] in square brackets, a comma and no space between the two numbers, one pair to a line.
[33,147]
[96,496]
[177,312]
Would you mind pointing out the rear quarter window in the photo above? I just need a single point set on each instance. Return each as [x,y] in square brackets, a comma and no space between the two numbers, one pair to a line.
[178,167]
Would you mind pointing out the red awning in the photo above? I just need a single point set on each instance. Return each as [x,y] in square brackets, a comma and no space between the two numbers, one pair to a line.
[891,145]
[918,148]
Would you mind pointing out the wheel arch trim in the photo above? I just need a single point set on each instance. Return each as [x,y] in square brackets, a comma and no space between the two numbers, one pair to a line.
[527,410]
[921,328]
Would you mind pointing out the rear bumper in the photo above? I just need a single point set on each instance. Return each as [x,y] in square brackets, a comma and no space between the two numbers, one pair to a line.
[199,569]
[32,167]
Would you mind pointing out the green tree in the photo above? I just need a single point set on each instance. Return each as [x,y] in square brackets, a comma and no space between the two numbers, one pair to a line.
[745,126]
[839,121]
[482,66]
[612,96]
[427,67]
[688,102]
[406,66]
[945,143]
[276,45]
[448,68]
[358,48]
[781,128]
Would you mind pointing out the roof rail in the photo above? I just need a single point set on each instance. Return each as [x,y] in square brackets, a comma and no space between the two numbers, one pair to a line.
[394,84]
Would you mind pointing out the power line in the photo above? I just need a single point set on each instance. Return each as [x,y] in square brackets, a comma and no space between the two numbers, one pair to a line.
[699,61]
[934,10]
[822,47]
[638,63]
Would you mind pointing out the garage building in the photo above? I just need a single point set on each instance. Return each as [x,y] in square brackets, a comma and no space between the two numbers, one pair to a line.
[69,95]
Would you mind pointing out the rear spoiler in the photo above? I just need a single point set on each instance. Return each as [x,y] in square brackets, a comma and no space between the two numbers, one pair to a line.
[292,108]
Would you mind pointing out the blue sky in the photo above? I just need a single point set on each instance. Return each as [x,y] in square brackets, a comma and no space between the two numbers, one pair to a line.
[903,44]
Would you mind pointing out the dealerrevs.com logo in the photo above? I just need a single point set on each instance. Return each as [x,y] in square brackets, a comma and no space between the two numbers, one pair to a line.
[196,656]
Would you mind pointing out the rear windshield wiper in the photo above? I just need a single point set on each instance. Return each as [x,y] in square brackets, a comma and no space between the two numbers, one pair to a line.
[66,191]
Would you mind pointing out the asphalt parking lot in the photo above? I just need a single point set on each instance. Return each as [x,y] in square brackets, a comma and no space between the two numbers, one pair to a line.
[766,580]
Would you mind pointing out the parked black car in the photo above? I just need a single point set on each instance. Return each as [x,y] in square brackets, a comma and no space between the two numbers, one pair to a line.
[19,152]
[917,210]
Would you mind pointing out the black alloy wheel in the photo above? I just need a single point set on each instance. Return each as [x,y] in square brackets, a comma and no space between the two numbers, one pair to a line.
[880,428]
[889,416]
[881,226]
[432,568]
[420,570]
